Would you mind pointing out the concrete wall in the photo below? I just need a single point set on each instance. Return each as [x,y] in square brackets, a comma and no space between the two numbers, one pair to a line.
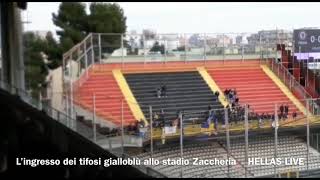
[55,89]
[11,42]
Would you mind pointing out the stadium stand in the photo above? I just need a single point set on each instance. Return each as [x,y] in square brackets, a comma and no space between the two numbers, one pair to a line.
[254,87]
[186,91]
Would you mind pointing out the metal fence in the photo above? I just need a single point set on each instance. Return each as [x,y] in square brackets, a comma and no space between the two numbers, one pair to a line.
[251,138]
[162,48]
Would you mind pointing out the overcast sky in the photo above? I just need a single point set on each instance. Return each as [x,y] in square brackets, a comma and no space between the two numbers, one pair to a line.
[189,17]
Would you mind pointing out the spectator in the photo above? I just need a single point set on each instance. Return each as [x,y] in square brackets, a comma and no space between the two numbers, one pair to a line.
[237,117]
[209,111]
[215,124]
[159,92]
[161,117]
[294,115]
[230,97]
[129,127]
[237,100]
[217,93]
[133,128]
[164,91]
[155,116]
[210,118]
[260,120]
[175,122]
[281,111]
[136,124]
[286,111]
[280,116]
[142,123]
[226,92]
[272,117]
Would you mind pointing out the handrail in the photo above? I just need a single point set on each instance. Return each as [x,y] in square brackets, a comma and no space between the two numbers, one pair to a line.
[76,46]
[292,77]
[303,92]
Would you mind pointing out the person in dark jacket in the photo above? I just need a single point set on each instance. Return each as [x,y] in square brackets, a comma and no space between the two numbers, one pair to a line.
[226,92]
[286,111]
[217,93]
[164,90]
[281,111]
[162,117]
[294,115]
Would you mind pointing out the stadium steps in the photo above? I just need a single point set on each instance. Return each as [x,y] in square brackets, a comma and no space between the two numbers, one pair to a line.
[185,91]
[254,87]
[108,98]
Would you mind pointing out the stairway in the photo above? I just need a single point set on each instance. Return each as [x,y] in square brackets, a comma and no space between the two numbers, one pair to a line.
[185,91]
[254,87]
[108,98]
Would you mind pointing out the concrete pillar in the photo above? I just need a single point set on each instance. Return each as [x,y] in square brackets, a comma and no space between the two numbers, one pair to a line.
[12,58]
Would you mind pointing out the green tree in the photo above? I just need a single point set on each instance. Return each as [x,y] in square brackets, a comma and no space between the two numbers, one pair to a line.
[35,68]
[53,51]
[75,24]
[107,18]
[157,48]
[72,19]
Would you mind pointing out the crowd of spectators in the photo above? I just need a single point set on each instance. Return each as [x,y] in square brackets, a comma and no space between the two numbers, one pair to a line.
[133,129]
[232,97]
[236,111]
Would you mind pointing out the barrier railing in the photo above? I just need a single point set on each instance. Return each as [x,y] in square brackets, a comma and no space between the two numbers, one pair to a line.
[251,142]
[80,126]
[288,79]
[162,48]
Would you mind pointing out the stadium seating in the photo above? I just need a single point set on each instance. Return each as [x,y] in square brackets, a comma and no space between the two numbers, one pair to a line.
[186,91]
[263,147]
[254,87]
[108,97]
[259,147]
[204,150]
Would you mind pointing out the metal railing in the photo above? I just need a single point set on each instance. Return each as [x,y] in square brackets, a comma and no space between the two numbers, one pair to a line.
[72,123]
[131,48]
[282,145]
[289,80]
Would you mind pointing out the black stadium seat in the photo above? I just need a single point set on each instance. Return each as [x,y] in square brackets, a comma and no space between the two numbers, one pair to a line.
[186,91]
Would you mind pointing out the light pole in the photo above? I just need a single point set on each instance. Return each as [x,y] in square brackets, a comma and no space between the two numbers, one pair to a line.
[181,143]
[151,131]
